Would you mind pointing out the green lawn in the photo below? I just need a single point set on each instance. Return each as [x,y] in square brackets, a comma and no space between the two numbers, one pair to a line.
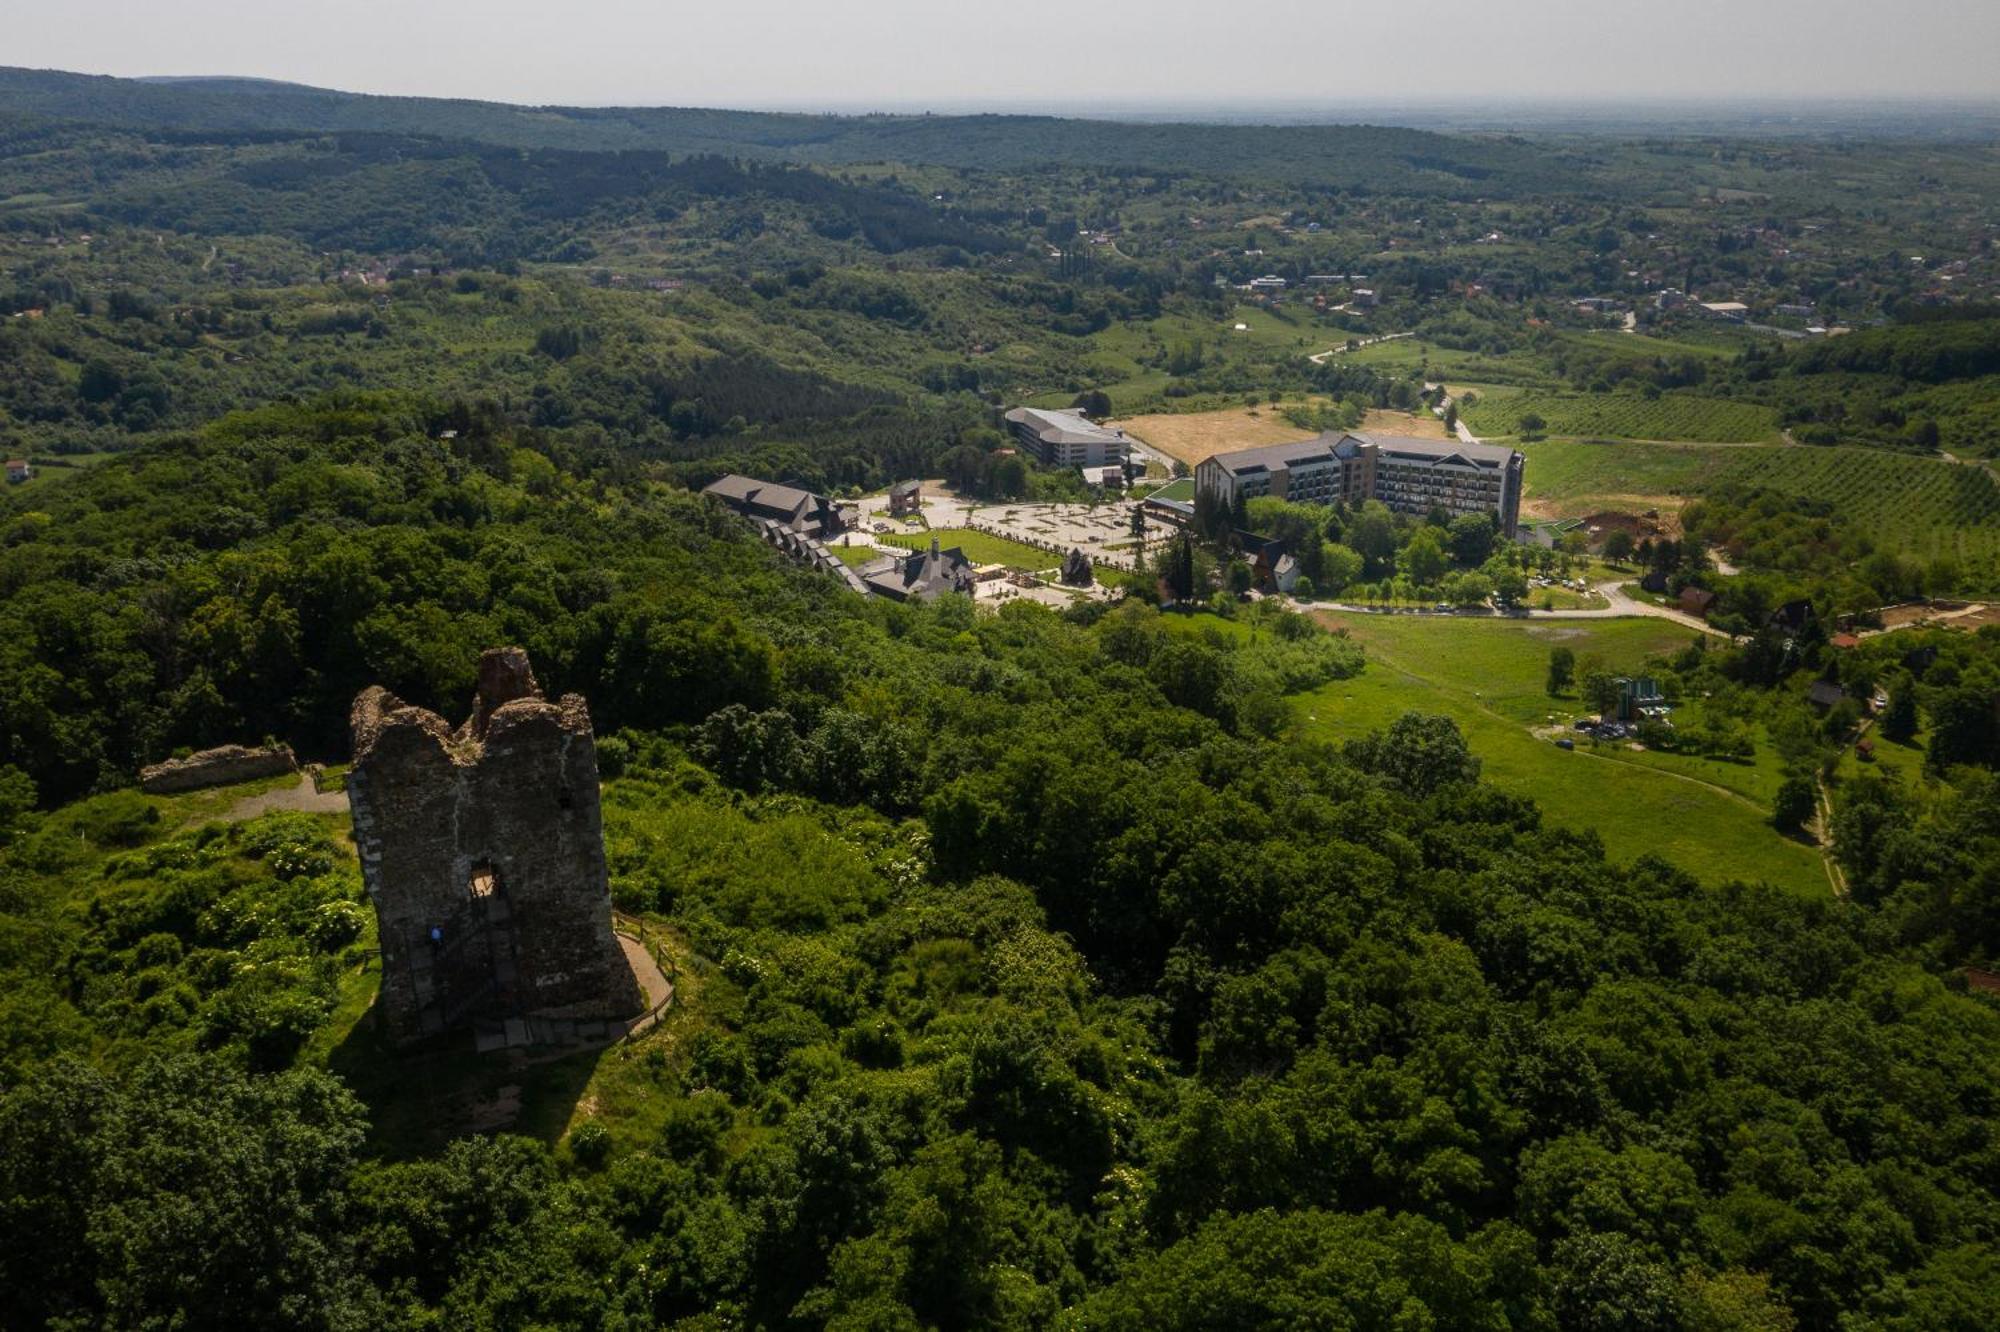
[982,548]
[856,555]
[1708,816]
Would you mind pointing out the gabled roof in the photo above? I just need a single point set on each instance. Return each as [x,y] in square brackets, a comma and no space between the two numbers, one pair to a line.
[1825,693]
[919,575]
[766,495]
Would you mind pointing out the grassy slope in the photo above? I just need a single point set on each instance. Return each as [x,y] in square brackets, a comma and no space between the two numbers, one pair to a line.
[1487,676]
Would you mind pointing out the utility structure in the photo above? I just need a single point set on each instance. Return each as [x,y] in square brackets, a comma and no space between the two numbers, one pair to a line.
[482,850]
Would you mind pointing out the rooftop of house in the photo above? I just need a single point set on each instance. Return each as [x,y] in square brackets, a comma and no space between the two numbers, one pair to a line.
[764,494]
[920,573]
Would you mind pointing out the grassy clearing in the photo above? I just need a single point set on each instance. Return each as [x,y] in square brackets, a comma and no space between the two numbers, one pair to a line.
[1487,676]
[854,556]
[1418,425]
[1672,416]
[1444,364]
[981,548]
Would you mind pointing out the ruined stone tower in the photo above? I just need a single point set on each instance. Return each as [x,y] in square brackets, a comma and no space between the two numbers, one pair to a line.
[483,853]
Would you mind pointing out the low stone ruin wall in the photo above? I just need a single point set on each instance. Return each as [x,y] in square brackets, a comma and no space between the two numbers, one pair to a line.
[216,767]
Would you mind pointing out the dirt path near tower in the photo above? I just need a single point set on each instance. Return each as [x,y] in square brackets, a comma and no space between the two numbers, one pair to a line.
[300,797]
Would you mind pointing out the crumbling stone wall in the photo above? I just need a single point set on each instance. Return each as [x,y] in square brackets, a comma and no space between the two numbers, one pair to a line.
[222,766]
[483,852]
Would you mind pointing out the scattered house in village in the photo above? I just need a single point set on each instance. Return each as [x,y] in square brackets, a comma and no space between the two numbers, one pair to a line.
[905,498]
[1076,570]
[1364,298]
[1067,439]
[1270,282]
[1844,641]
[1734,312]
[919,575]
[1654,581]
[1792,618]
[1407,474]
[1696,601]
[797,510]
[1272,566]
[1824,694]
[19,470]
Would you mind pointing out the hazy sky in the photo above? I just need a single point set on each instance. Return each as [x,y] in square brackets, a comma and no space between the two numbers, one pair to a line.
[947,54]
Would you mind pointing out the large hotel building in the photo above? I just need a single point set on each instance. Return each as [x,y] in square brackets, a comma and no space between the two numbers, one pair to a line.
[1408,475]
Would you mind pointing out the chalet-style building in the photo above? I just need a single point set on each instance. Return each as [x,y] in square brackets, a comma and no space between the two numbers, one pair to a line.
[788,507]
[906,497]
[920,575]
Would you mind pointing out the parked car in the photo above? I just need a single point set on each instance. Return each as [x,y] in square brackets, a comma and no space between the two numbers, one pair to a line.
[1565,743]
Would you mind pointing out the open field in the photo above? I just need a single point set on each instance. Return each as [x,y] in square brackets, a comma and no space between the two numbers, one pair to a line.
[1671,416]
[1452,366]
[1421,425]
[1705,815]
[1190,437]
[980,548]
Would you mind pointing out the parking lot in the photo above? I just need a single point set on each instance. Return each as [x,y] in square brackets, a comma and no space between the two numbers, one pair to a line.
[1056,528]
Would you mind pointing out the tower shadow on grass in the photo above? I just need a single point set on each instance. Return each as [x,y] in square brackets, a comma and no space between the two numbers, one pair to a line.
[422,1096]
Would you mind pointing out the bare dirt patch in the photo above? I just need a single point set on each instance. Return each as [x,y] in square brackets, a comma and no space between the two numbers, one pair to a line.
[1595,508]
[1416,425]
[1191,437]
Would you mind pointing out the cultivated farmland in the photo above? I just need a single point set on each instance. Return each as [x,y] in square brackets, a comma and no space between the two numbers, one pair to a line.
[1671,416]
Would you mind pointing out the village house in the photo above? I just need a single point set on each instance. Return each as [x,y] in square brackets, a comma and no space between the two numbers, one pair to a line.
[905,498]
[763,502]
[19,470]
[1696,601]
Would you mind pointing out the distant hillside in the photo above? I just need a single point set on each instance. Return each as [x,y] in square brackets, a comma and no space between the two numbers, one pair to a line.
[1346,156]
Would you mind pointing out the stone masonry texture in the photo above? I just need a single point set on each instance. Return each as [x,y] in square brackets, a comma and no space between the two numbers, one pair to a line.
[483,852]
[216,767]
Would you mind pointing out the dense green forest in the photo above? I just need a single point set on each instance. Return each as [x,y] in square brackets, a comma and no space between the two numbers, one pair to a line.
[1102,994]
[1034,967]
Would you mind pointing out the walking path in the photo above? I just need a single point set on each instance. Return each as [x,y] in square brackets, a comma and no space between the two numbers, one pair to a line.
[1620,605]
[1320,358]
[300,797]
